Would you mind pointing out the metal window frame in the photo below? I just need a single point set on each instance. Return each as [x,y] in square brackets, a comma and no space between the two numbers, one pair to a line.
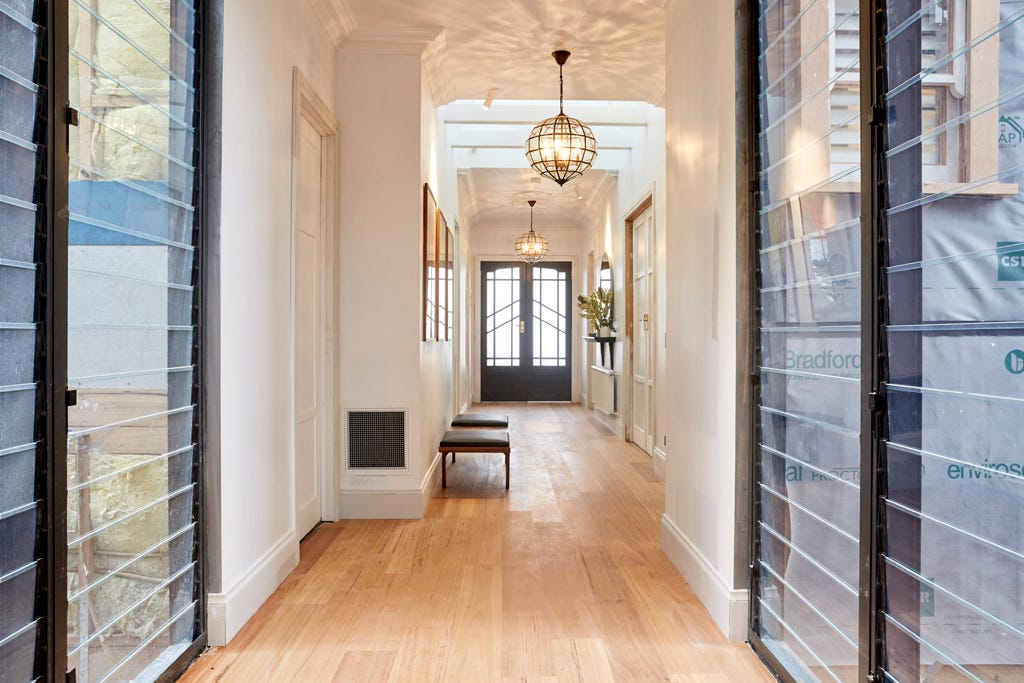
[874,199]
[53,356]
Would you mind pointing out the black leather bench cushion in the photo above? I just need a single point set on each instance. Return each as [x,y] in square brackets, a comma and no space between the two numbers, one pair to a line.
[474,438]
[479,420]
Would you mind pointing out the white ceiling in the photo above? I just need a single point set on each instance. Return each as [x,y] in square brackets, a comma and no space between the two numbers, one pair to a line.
[502,193]
[618,49]
[617,46]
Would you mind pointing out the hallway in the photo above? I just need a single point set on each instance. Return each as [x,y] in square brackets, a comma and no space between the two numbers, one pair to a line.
[560,579]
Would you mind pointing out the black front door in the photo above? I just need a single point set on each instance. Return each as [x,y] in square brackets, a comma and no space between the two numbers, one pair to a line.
[525,350]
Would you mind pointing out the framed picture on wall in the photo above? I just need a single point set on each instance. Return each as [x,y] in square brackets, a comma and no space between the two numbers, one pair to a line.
[442,277]
[430,221]
[449,271]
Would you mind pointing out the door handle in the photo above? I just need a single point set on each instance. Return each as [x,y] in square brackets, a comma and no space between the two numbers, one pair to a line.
[647,322]
[522,327]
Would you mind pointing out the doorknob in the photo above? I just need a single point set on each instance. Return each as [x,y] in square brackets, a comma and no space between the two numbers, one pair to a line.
[646,322]
[522,327]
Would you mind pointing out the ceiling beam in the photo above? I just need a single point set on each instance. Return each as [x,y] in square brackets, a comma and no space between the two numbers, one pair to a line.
[531,113]
[515,137]
[482,157]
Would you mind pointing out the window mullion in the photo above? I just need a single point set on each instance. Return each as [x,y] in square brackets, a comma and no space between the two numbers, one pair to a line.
[55,274]
[874,197]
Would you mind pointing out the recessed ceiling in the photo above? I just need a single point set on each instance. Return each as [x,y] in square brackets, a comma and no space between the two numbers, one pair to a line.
[501,196]
[617,46]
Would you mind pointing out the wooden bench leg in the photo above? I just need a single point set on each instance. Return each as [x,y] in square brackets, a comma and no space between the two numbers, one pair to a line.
[508,458]
[444,470]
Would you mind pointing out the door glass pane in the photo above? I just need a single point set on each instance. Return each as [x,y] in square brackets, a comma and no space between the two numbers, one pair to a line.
[550,317]
[501,317]
[22,136]
[953,557]
[806,593]
[132,571]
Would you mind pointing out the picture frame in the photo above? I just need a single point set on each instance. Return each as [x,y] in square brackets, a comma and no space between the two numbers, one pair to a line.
[449,269]
[430,239]
[442,277]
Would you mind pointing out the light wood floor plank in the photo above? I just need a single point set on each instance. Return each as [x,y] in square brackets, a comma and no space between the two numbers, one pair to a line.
[561,578]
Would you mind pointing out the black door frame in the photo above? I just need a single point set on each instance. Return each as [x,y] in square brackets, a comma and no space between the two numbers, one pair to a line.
[525,382]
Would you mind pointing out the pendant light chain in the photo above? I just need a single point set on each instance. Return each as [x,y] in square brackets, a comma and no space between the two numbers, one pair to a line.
[561,91]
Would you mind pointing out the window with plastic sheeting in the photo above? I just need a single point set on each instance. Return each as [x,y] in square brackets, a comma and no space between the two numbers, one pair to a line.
[952,510]
[888,510]
[805,600]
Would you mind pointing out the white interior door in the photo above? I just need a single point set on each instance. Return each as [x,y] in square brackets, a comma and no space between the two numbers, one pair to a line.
[308,278]
[642,413]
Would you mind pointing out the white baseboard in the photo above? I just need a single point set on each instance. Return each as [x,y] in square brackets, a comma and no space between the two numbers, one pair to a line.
[727,606]
[227,612]
[391,503]
[658,463]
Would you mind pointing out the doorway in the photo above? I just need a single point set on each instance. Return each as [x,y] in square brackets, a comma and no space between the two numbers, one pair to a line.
[640,303]
[312,271]
[526,350]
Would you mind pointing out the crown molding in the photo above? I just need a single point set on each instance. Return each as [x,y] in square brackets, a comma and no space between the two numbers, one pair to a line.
[337,18]
[429,42]
[398,39]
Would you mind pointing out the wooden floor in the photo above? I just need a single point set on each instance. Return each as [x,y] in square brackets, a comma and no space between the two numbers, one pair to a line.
[559,579]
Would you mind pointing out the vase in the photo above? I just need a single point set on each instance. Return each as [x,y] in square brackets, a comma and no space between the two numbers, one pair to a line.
[604,332]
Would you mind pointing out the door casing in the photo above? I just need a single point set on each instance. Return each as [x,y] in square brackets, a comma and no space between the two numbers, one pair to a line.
[476,313]
[652,332]
[309,106]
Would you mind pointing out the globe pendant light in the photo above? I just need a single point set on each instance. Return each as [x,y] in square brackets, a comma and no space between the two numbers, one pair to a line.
[531,247]
[561,148]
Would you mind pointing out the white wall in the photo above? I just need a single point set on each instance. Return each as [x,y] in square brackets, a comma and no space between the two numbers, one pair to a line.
[605,235]
[380,236]
[388,150]
[698,531]
[643,176]
[436,358]
[263,40]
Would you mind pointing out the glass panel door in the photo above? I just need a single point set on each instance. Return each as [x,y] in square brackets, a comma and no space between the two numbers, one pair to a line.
[550,317]
[807,463]
[526,351]
[132,464]
[503,326]
[550,369]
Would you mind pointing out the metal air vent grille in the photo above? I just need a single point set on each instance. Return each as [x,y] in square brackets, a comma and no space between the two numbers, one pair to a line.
[376,439]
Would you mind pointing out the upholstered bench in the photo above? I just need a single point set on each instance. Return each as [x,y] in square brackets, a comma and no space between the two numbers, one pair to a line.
[480,421]
[473,441]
